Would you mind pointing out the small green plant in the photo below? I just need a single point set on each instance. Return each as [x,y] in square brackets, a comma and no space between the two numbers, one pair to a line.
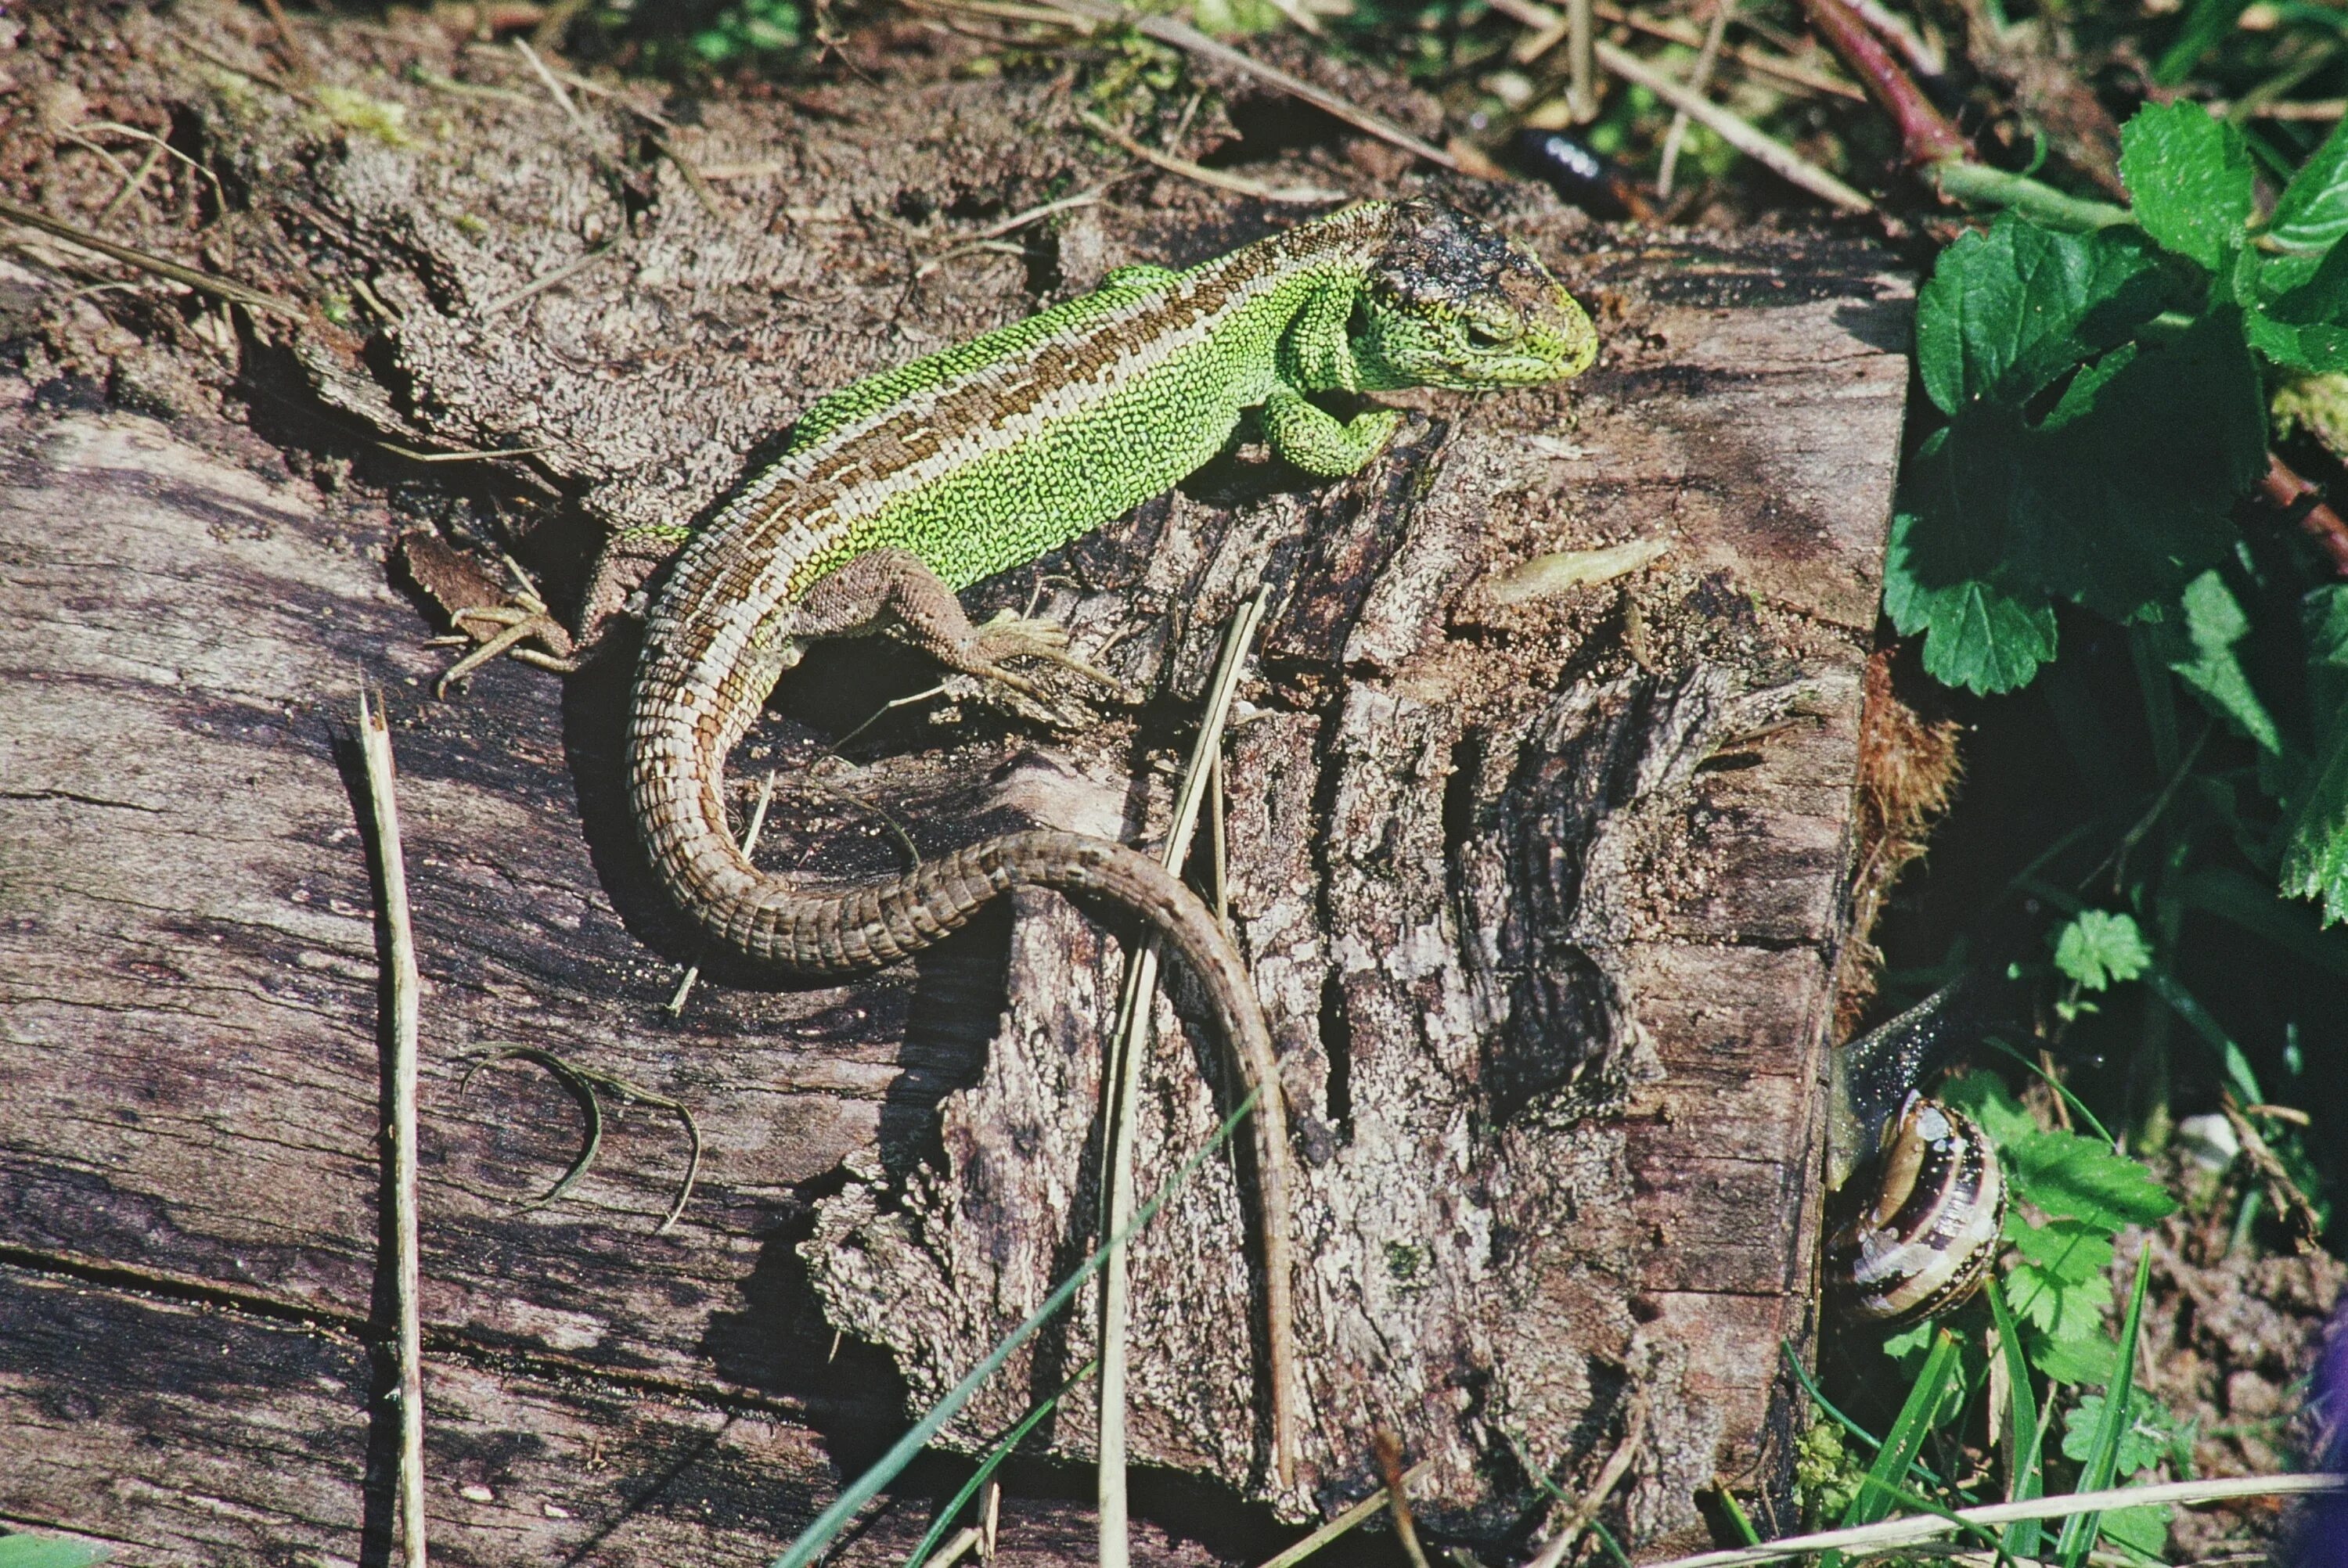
[748,28]
[2100,403]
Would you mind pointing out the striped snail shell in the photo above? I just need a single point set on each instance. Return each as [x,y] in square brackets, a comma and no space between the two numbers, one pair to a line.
[1926,1221]
[1922,1200]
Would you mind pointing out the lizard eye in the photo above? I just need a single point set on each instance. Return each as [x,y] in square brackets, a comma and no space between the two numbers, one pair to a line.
[1481,334]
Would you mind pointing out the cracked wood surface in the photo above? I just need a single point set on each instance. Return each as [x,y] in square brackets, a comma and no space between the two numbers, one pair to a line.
[1544,900]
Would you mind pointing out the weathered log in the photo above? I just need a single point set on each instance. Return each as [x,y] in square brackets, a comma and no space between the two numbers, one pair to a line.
[1544,897]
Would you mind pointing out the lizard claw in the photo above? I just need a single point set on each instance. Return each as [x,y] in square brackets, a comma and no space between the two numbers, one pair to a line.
[520,623]
[1011,635]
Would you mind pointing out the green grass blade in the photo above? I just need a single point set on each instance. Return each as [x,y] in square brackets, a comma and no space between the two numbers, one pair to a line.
[990,1463]
[1817,1397]
[2025,1476]
[2079,1532]
[866,1487]
[1880,1491]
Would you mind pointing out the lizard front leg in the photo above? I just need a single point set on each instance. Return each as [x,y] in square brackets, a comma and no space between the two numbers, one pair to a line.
[1305,434]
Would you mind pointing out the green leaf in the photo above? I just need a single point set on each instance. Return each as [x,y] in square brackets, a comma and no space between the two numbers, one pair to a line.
[2084,1360]
[1984,1096]
[2071,1177]
[2058,1307]
[2009,310]
[2188,176]
[2311,213]
[2122,503]
[2315,831]
[2099,946]
[2144,1528]
[2144,1441]
[49,1551]
[2069,1251]
[2316,349]
[2213,623]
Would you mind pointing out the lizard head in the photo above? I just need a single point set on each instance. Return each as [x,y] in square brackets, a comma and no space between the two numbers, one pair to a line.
[1451,302]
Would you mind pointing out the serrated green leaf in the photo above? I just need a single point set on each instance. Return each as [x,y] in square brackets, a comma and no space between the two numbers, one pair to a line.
[49,1551]
[1984,1097]
[2009,310]
[2080,1530]
[2144,1528]
[2311,213]
[2189,177]
[2070,1251]
[2121,505]
[2071,1177]
[2315,840]
[2084,1360]
[2213,623]
[1943,568]
[2058,1307]
[2144,1441]
[2097,947]
[2319,348]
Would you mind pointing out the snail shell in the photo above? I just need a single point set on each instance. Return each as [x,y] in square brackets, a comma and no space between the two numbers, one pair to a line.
[1930,1208]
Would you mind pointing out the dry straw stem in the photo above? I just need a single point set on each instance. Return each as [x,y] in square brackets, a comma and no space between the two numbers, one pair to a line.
[1928,1527]
[1369,1507]
[1127,1044]
[401,984]
[1548,29]
[1237,184]
[1699,79]
[1774,155]
[1190,41]
[1617,1466]
[203,283]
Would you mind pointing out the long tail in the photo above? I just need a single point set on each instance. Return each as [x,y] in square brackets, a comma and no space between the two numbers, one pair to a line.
[854,929]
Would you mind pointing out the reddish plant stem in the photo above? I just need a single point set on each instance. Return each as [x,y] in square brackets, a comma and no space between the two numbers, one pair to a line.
[1925,134]
[2284,489]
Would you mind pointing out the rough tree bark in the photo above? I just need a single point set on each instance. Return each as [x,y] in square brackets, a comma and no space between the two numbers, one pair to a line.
[1544,896]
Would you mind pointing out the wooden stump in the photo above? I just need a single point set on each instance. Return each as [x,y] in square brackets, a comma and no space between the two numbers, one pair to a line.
[1544,897]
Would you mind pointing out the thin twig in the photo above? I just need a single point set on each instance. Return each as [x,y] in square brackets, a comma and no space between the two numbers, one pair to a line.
[2284,489]
[750,843]
[955,1548]
[1385,1448]
[403,984]
[1237,184]
[219,288]
[1926,1527]
[267,79]
[298,56]
[1547,29]
[1773,155]
[161,148]
[1360,1513]
[1017,221]
[1190,41]
[1618,1465]
[1581,62]
[137,181]
[1128,1046]
[554,90]
[1699,79]
[561,275]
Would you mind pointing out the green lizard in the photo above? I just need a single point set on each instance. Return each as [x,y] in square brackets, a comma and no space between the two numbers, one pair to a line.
[901,489]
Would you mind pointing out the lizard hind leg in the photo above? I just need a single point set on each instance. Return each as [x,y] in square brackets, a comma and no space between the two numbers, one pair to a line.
[895,592]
